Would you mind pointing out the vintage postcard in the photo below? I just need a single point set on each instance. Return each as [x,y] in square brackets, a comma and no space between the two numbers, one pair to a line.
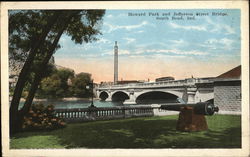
[125,78]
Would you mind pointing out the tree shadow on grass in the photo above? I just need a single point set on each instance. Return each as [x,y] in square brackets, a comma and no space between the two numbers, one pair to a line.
[140,133]
[227,138]
[137,133]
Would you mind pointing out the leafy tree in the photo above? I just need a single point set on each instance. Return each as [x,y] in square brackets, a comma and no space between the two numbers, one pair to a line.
[34,36]
[56,85]
[51,87]
[79,84]
[27,33]
[65,75]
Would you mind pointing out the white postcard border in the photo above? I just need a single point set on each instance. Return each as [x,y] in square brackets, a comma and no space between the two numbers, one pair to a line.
[243,5]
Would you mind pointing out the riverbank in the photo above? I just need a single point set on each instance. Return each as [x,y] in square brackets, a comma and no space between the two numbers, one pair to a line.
[72,103]
[60,99]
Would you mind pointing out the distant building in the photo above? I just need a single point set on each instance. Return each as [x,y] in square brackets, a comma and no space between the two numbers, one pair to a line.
[59,67]
[168,78]
[106,84]
[52,60]
[227,91]
[128,81]
[234,73]
[13,80]
[121,82]
[14,73]
[13,76]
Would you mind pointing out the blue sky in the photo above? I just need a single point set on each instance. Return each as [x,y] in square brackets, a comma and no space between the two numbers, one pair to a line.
[151,48]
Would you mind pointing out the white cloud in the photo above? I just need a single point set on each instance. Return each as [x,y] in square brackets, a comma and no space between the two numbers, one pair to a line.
[198,28]
[103,41]
[224,42]
[124,52]
[180,52]
[173,44]
[169,56]
[178,43]
[137,56]
[127,27]
[229,29]
[110,16]
[129,40]
[216,27]
[115,16]
[181,41]
[173,51]
[219,27]
[227,42]
[141,31]
[120,52]
[89,55]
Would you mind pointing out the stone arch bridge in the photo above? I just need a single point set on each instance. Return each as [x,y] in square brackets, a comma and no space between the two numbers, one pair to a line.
[191,90]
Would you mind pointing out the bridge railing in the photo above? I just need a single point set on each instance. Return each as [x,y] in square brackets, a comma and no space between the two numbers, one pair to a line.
[190,81]
[103,113]
[146,84]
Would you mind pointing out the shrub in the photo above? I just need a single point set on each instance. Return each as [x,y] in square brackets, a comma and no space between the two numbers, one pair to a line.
[42,118]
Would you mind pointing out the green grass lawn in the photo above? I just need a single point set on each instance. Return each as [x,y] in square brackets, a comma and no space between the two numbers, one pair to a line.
[151,132]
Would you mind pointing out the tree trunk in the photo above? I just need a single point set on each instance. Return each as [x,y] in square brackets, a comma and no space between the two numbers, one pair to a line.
[14,116]
[38,77]
[39,73]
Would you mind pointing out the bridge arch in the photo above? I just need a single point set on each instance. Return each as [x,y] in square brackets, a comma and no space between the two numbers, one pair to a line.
[204,96]
[211,101]
[152,97]
[103,95]
[119,96]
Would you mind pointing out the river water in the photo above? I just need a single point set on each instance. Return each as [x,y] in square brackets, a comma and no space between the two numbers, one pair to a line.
[70,104]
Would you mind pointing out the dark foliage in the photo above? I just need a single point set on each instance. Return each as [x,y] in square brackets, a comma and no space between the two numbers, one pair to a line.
[42,118]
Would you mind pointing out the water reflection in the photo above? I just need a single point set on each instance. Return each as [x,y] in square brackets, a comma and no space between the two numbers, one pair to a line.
[69,104]
[72,104]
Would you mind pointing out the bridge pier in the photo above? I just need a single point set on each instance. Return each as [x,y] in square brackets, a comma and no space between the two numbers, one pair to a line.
[108,99]
[131,99]
[191,95]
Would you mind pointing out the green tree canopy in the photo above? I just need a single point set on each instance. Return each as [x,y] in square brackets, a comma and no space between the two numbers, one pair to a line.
[80,83]
[57,85]
[34,37]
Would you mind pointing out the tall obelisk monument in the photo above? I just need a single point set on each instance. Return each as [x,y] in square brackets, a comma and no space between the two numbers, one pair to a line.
[115,63]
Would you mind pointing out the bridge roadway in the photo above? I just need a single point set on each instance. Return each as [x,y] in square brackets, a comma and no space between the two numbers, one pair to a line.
[190,90]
